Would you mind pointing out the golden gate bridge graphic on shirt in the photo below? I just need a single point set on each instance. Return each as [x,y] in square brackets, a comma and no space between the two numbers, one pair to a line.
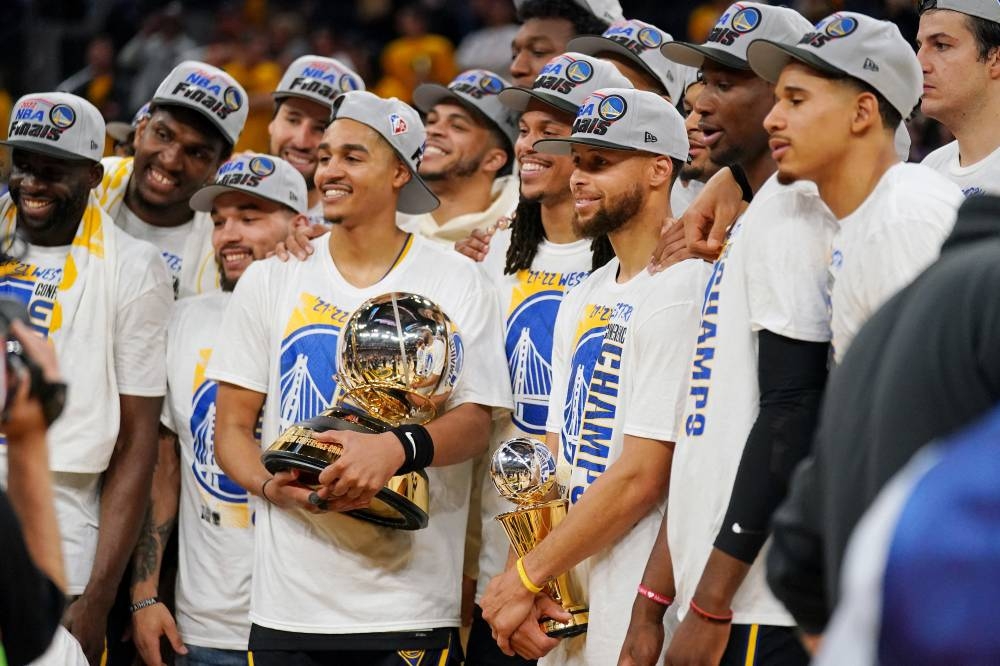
[573,413]
[301,397]
[530,375]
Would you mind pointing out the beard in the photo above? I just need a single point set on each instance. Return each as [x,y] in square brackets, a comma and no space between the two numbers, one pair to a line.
[462,169]
[691,172]
[613,215]
[225,283]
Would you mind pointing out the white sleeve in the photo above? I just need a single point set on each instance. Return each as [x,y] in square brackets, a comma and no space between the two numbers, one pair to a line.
[787,250]
[657,373]
[562,354]
[243,353]
[484,378]
[140,345]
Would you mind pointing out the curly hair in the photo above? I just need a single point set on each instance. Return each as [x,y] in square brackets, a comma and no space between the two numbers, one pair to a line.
[527,233]
[584,23]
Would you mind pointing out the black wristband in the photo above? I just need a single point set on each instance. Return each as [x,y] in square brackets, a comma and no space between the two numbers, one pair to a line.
[145,603]
[418,447]
[741,179]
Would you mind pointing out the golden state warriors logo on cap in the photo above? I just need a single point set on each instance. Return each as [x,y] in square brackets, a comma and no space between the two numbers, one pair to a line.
[232,99]
[841,26]
[262,166]
[612,108]
[348,83]
[491,84]
[650,38]
[62,116]
[579,71]
[746,20]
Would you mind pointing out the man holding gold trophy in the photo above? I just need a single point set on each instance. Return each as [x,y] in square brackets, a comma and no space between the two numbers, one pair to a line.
[328,587]
[621,351]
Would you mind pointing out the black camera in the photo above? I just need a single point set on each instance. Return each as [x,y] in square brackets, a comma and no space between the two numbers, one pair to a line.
[17,365]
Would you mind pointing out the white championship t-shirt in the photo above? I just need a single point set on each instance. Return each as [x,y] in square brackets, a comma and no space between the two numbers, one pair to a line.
[529,301]
[682,194]
[890,239]
[983,177]
[142,309]
[334,574]
[169,240]
[215,520]
[620,359]
[771,275]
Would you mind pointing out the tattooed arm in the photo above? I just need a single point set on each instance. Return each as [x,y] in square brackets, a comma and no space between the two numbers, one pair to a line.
[149,623]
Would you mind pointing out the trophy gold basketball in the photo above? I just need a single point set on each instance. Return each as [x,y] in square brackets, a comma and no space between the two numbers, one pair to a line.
[524,471]
[399,357]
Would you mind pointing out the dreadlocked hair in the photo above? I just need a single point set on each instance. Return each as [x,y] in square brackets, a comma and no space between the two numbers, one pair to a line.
[527,233]
[602,252]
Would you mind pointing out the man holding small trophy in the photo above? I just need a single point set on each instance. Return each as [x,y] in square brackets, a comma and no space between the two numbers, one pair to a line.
[332,587]
[621,350]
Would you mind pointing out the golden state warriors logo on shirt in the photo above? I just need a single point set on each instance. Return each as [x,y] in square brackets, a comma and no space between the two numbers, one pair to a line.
[37,288]
[308,359]
[531,317]
[592,399]
[224,503]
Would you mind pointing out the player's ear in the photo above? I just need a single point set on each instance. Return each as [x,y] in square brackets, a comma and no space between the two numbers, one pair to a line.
[866,113]
[661,170]
[401,175]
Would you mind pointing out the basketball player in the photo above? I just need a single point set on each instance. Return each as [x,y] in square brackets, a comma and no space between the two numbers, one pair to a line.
[609,429]
[103,298]
[254,202]
[395,594]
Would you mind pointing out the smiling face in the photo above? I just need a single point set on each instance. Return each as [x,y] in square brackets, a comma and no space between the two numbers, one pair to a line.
[246,228]
[954,76]
[810,124]
[699,166]
[358,174]
[607,188]
[173,158]
[50,194]
[537,41]
[457,143]
[295,132]
[544,177]
[732,106]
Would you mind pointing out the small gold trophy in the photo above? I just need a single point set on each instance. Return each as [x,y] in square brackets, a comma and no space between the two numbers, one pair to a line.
[399,357]
[524,471]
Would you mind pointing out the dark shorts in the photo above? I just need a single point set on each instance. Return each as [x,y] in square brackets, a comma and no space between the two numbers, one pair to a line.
[482,650]
[764,645]
[439,647]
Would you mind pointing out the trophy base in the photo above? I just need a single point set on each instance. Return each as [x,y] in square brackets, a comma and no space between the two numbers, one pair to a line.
[574,627]
[401,504]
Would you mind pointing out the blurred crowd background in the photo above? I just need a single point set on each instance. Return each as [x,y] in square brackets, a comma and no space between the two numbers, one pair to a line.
[114,52]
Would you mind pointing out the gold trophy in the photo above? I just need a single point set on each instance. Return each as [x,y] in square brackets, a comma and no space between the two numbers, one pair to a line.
[524,472]
[399,358]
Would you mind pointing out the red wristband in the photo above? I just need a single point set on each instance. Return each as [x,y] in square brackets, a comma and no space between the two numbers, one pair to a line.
[705,615]
[655,596]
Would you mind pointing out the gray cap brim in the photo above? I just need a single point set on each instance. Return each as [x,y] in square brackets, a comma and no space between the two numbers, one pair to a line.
[277,96]
[203,199]
[594,44]
[518,99]
[173,103]
[768,58]
[51,151]
[565,146]
[119,130]
[694,55]
[416,198]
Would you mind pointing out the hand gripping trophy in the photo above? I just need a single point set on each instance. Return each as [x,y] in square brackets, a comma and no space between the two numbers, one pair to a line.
[399,357]
[524,471]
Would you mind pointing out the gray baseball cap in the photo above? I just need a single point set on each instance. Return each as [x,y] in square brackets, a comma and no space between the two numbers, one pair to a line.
[209,91]
[317,79]
[565,81]
[625,119]
[640,43]
[399,124]
[859,46]
[739,25]
[263,176]
[57,124]
[984,9]
[478,89]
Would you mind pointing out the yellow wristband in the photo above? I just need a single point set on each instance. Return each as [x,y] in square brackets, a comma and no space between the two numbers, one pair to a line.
[531,587]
